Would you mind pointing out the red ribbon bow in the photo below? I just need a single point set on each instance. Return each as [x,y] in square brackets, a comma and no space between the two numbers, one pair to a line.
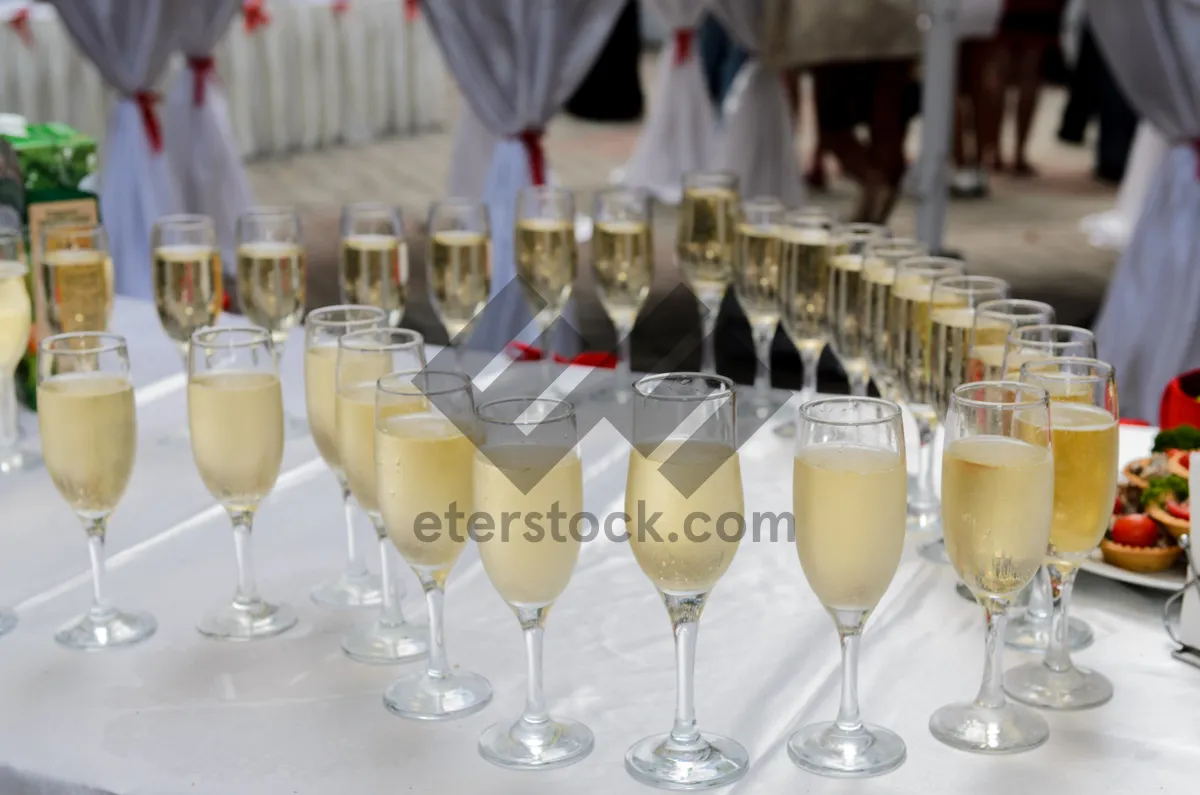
[412,8]
[202,69]
[520,352]
[532,141]
[339,7]
[254,15]
[19,22]
[683,44]
[145,101]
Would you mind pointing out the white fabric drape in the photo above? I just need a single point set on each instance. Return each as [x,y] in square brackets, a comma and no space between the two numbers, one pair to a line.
[199,134]
[757,140]
[1149,326]
[680,130]
[516,63]
[1111,229]
[130,41]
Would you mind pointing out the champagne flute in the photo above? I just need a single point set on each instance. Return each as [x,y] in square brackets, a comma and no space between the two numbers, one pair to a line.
[16,320]
[425,441]
[684,463]
[460,265]
[1025,343]
[756,261]
[910,354]
[77,278]
[993,322]
[271,270]
[847,305]
[356,586]
[997,506]
[186,268]
[952,320]
[849,549]
[529,463]
[88,425]
[708,218]
[235,415]
[1083,394]
[363,358]
[547,258]
[806,249]
[373,267]
[623,264]
[880,258]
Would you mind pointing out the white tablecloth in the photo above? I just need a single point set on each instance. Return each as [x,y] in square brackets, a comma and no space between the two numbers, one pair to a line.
[311,78]
[181,714]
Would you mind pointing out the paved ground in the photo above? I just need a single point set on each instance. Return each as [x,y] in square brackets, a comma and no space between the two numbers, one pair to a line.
[1027,232]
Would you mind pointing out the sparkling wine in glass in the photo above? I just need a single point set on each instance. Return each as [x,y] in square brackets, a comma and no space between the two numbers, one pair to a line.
[355,586]
[756,278]
[547,258]
[880,258]
[460,265]
[952,321]
[425,441]
[88,425]
[186,269]
[77,278]
[373,262]
[623,266]
[271,270]
[363,358]
[685,461]
[806,250]
[993,321]
[847,304]
[1083,419]
[708,219]
[16,320]
[849,549]
[528,462]
[235,418]
[997,508]
[910,350]
[1045,341]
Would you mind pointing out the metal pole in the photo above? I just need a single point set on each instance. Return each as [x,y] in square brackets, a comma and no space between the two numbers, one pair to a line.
[937,118]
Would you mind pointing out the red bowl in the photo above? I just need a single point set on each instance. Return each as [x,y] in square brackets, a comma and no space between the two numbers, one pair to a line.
[1179,405]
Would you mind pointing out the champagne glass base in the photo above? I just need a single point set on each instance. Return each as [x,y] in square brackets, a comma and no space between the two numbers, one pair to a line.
[962,590]
[348,592]
[8,621]
[715,762]
[786,429]
[935,552]
[238,622]
[420,696]
[110,631]
[764,406]
[17,461]
[1037,685]
[1029,633]
[826,750]
[520,746]
[1008,729]
[295,427]
[378,643]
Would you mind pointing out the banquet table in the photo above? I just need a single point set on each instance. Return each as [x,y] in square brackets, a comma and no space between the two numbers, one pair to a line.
[292,714]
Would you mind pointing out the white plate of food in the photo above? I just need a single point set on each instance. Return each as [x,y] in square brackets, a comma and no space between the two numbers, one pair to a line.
[1170,580]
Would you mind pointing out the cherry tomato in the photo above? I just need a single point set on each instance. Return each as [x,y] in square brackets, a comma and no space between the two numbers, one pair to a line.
[1135,530]
[1180,510]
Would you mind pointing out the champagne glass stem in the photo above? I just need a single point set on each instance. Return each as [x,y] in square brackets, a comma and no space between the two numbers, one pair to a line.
[809,357]
[1040,599]
[10,432]
[708,327]
[459,356]
[926,426]
[439,666]
[848,719]
[763,336]
[533,624]
[1058,652]
[991,692]
[101,611]
[859,383]
[685,617]
[391,614]
[624,353]
[279,339]
[247,589]
[356,564]
[546,343]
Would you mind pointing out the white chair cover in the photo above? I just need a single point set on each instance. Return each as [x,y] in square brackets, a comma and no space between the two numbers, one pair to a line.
[1111,229]
[680,130]
[471,149]
[1149,326]
[426,71]
[516,63]
[200,137]
[758,137]
[130,42]
[346,40]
